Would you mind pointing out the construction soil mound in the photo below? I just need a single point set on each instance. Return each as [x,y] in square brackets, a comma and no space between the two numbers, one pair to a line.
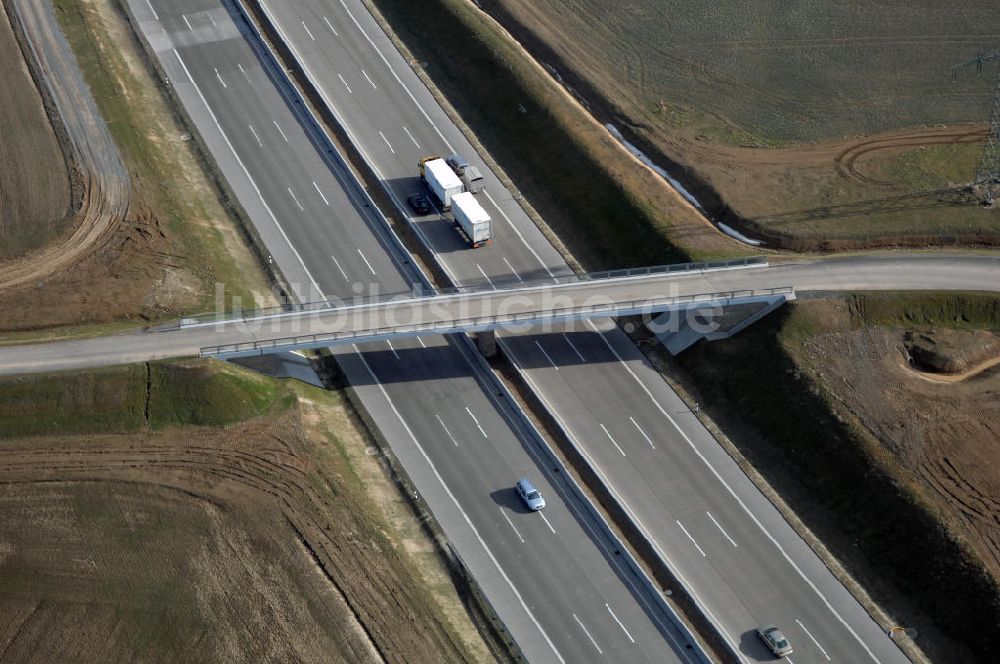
[954,354]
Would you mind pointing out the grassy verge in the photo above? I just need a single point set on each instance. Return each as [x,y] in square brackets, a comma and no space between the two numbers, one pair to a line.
[170,179]
[129,398]
[567,166]
[953,310]
[819,460]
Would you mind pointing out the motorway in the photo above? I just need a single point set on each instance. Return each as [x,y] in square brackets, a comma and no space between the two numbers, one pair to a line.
[745,565]
[555,578]
[731,546]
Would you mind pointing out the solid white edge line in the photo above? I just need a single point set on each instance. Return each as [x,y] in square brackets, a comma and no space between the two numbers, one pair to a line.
[396,76]
[521,237]
[468,521]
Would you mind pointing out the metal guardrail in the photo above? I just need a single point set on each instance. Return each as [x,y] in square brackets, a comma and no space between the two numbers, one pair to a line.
[419,290]
[753,261]
[480,323]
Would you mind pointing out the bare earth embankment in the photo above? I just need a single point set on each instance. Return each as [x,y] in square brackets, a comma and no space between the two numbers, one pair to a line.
[830,126]
[200,513]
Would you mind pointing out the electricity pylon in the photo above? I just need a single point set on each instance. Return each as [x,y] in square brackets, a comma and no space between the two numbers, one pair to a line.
[987,181]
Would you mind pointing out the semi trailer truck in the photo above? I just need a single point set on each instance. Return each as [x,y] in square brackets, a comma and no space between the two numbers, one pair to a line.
[441,180]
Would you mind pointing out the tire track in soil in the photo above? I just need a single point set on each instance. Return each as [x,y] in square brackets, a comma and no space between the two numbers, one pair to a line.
[209,471]
[846,161]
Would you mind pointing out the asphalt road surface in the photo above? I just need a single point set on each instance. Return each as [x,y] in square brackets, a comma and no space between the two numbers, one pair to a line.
[553,577]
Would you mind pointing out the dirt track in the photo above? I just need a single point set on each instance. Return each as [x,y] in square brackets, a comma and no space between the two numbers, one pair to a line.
[106,183]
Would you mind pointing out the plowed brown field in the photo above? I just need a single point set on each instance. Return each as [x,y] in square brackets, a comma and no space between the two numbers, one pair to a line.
[247,543]
[35,197]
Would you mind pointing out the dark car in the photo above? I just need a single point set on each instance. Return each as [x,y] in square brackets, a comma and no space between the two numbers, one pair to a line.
[458,164]
[420,203]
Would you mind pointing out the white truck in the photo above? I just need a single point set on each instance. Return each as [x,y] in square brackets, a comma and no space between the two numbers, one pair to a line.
[472,219]
[441,180]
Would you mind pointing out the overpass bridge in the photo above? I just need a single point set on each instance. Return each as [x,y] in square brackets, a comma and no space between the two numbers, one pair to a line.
[515,307]
[610,294]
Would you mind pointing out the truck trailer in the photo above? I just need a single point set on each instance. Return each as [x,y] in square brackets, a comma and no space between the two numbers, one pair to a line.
[441,180]
[472,219]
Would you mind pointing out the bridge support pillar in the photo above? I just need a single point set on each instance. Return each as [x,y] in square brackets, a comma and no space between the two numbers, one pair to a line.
[487,343]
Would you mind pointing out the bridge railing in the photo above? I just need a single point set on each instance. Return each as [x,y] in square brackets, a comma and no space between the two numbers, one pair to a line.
[320,306]
[680,268]
[487,322]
